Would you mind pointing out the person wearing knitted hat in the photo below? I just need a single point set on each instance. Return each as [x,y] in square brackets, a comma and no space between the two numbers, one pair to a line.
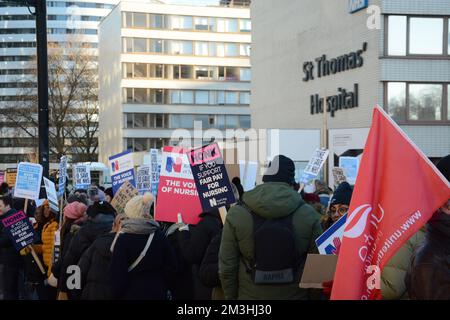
[142,258]
[74,217]
[275,199]
[99,222]
[428,277]
[339,204]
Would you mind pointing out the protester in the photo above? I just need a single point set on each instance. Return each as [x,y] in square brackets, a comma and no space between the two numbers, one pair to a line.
[428,277]
[237,182]
[9,258]
[295,226]
[100,220]
[193,244]
[74,217]
[45,249]
[95,282]
[109,195]
[314,201]
[4,189]
[142,259]
[79,197]
[339,205]
[209,268]
[323,192]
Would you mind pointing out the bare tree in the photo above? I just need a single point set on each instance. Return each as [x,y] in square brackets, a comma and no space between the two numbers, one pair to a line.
[73,103]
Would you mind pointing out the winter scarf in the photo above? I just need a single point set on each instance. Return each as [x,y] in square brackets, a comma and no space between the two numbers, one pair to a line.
[136,226]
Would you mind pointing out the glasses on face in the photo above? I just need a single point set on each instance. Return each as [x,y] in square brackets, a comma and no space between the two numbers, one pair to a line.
[340,209]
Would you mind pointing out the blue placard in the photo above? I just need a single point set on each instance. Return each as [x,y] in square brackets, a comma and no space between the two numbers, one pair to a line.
[28,181]
[122,169]
[357,5]
[19,229]
[325,241]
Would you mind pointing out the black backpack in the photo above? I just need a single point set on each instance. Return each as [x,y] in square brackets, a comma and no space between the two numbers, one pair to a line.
[276,258]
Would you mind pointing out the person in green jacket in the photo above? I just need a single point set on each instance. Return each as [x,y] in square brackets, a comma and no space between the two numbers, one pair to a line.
[393,285]
[275,198]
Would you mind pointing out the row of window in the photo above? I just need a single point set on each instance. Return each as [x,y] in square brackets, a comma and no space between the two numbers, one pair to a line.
[24,44]
[79,4]
[62,17]
[13,158]
[409,35]
[16,58]
[186,47]
[18,143]
[8,72]
[18,85]
[144,144]
[49,30]
[201,97]
[187,72]
[416,102]
[186,23]
[185,121]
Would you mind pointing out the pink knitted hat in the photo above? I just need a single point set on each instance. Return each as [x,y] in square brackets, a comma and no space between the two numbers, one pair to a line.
[75,210]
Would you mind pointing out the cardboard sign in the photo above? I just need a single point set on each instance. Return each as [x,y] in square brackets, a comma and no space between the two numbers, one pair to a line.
[350,166]
[121,167]
[11,176]
[28,182]
[2,176]
[51,194]
[19,229]
[155,169]
[314,165]
[177,192]
[81,176]
[211,178]
[330,241]
[143,179]
[123,195]
[338,176]
[62,176]
[318,269]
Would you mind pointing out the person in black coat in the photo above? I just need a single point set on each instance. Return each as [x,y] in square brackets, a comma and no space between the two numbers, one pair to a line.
[100,220]
[428,277]
[209,269]
[142,259]
[10,261]
[193,244]
[95,282]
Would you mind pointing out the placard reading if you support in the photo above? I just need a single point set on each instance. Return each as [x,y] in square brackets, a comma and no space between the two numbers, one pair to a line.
[211,178]
[19,229]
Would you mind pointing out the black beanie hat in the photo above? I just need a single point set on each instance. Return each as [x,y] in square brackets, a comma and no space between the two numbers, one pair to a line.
[100,207]
[281,169]
[444,167]
[342,194]
[109,192]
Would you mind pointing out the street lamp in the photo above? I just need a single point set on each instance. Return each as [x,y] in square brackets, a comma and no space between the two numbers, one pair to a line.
[42,79]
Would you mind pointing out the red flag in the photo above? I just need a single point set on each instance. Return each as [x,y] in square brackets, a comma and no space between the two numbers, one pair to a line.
[397,191]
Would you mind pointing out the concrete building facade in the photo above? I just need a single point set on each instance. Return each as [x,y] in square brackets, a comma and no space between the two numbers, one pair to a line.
[164,68]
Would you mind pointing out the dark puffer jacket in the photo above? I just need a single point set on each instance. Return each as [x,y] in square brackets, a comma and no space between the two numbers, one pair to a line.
[149,279]
[8,254]
[193,246]
[209,269]
[429,275]
[82,240]
[94,263]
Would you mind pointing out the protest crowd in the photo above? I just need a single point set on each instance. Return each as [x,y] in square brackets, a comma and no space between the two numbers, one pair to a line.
[126,253]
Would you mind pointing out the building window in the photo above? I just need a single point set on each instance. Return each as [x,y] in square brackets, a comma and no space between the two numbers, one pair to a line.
[139,45]
[157,21]
[187,96]
[140,70]
[231,97]
[129,120]
[201,23]
[181,22]
[426,36]
[409,35]
[244,122]
[140,120]
[416,103]
[244,50]
[227,25]
[245,25]
[140,95]
[244,97]
[140,144]
[397,100]
[201,48]
[140,20]
[156,46]
[201,97]
[425,102]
